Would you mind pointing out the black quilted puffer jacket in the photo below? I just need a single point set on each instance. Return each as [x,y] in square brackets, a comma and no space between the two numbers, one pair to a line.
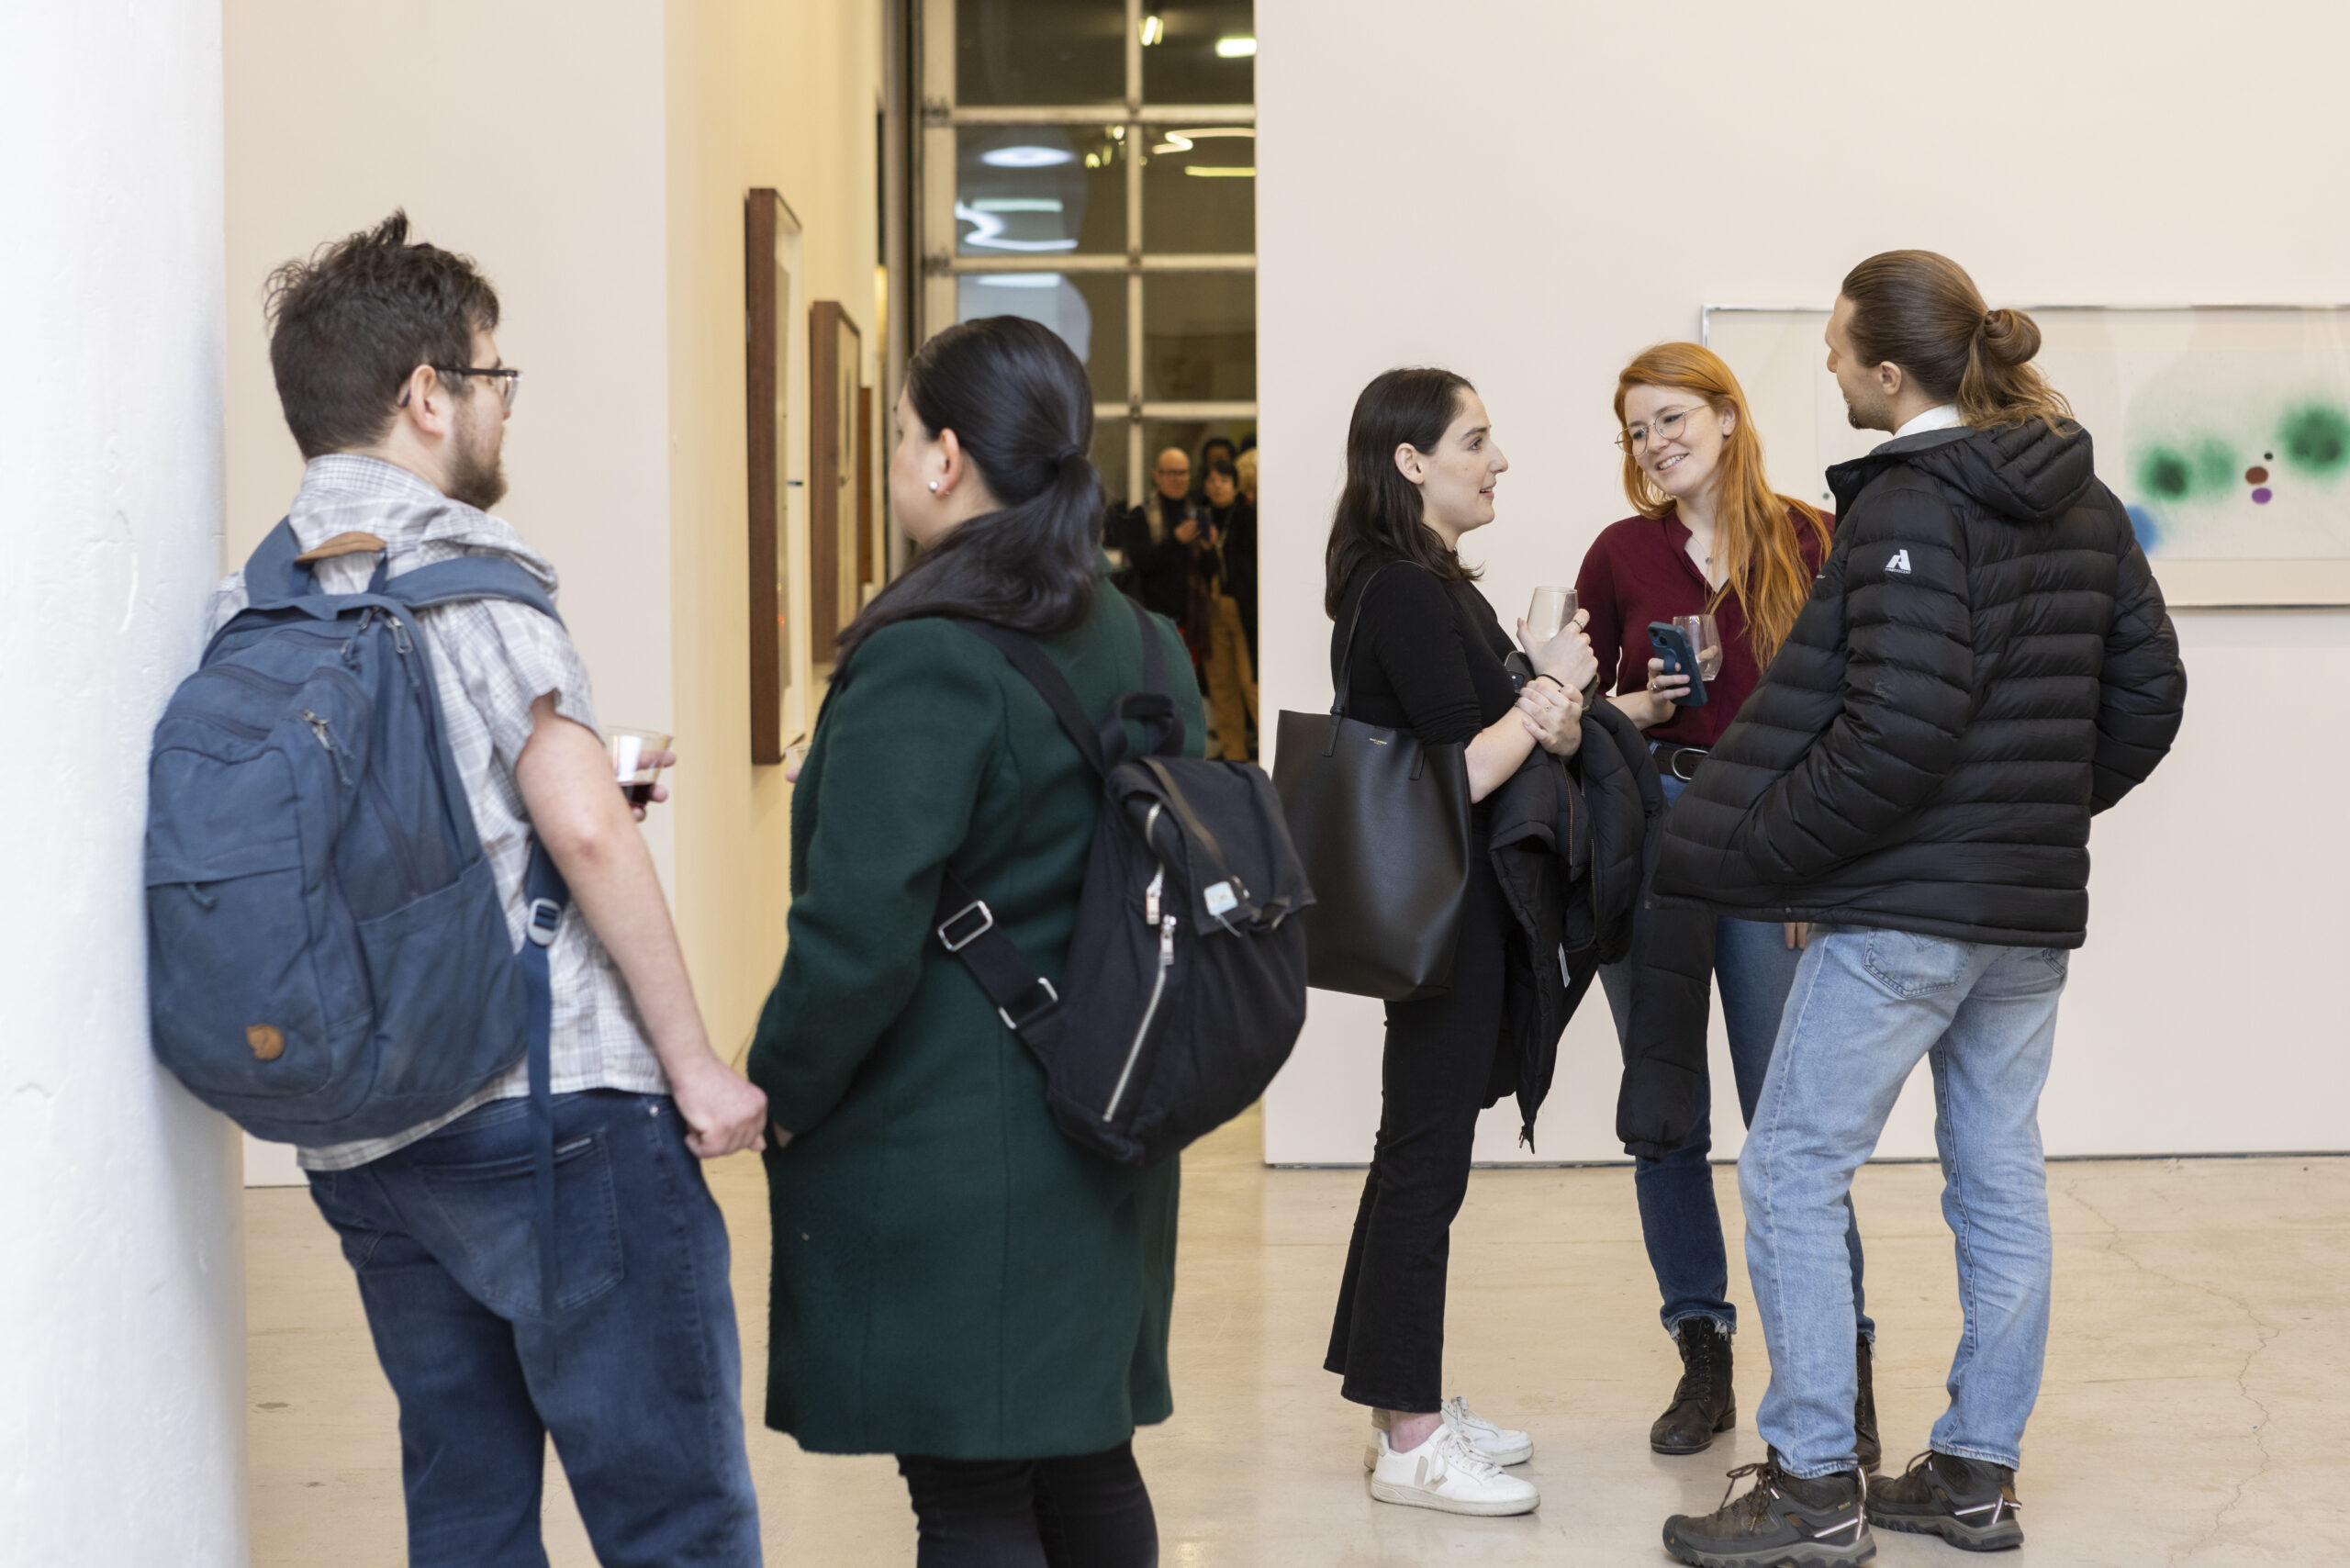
[1984,664]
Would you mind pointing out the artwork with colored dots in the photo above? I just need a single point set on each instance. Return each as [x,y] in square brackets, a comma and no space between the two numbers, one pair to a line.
[2224,430]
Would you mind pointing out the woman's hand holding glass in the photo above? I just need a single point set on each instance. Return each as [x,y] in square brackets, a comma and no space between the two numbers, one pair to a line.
[1566,658]
[1552,714]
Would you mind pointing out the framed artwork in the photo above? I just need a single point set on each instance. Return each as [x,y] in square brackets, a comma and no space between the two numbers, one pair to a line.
[837,556]
[2225,430]
[772,355]
[870,550]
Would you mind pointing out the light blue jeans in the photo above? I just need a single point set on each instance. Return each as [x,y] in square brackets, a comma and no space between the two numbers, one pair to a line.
[1866,1004]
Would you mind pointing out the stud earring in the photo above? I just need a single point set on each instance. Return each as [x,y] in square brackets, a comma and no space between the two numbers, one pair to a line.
[933,487]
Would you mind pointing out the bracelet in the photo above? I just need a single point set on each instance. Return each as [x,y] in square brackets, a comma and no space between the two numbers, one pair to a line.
[1546,674]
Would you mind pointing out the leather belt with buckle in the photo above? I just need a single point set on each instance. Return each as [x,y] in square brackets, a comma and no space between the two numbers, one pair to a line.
[1679,761]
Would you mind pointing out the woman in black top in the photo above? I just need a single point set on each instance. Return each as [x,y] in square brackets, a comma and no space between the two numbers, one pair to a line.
[1421,465]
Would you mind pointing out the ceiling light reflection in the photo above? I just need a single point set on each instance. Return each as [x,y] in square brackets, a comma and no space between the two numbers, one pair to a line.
[1027,157]
[1236,49]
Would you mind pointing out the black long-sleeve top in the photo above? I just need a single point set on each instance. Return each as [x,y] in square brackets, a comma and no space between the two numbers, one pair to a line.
[1428,656]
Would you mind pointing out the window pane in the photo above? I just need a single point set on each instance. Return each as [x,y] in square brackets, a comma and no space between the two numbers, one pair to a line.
[1040,52]
[1110,458]
[1199,189]
[1206,55]
[1039,190]
[1200,337]
[1088,309]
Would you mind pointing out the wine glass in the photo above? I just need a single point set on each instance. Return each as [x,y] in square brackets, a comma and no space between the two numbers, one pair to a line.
[1549,614]
[1706,640]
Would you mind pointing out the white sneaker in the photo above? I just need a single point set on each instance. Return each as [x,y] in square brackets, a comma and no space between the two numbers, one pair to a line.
[1446,1474]
[1499,1444]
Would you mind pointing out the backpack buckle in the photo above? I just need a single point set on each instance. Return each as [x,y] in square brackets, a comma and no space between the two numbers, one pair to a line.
[1052,1000]
[956,944]
[544,918]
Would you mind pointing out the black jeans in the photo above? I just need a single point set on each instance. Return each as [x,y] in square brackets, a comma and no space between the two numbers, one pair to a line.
[1435,1077]
[1085,1511]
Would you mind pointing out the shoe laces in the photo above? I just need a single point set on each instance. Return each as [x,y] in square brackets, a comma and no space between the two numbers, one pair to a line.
[1756,1503]
[1461,1454]
[1455,1412]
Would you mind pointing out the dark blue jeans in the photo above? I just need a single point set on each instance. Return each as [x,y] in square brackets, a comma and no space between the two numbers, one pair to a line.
[1754,969]
[638,1377]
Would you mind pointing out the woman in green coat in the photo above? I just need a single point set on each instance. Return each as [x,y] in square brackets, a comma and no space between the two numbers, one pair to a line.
[955,1282]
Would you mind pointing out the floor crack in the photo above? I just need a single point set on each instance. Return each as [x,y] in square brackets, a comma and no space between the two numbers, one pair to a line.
[2267,1333]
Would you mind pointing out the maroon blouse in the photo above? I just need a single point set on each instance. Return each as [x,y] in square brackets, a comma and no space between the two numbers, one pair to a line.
[1639,570]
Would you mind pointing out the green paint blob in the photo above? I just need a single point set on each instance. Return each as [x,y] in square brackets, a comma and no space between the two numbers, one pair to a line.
[2165,473]
[2316,439]
[2215,465]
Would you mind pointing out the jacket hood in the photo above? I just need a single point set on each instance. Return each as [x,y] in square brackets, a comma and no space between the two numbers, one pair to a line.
[2029,472]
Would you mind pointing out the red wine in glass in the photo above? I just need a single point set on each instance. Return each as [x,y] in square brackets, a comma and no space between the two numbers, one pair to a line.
[638,794]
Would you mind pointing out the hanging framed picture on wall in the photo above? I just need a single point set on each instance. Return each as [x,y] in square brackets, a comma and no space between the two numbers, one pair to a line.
[773,355]
[835,364]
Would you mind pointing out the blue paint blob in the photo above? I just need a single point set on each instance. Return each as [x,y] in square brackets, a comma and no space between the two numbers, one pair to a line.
[2149,531]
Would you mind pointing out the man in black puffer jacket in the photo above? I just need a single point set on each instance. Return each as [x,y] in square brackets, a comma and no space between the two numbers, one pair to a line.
[1985,663]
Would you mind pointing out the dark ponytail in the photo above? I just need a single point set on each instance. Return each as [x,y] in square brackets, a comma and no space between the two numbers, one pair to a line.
[1019,405]
[1920,311]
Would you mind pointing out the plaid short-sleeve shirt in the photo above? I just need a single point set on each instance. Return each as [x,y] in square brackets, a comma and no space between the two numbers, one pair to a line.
[491,660]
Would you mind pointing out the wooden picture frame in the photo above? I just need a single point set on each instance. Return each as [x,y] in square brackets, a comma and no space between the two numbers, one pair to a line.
[836,558]
[777,644]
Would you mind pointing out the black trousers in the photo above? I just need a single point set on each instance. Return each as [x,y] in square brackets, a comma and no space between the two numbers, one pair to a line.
[1086,1511]
[1435,1077]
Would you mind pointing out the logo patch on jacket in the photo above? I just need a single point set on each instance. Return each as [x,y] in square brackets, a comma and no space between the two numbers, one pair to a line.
[1900,562]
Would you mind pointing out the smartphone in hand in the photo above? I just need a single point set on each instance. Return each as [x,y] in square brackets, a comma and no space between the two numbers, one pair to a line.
[1671,645]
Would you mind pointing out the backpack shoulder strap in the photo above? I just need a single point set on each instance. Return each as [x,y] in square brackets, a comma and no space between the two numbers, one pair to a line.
[274,571]
[469,578]
[1030,660]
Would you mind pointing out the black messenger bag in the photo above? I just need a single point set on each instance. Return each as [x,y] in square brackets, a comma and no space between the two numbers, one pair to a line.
[1186,981]
[1381,823]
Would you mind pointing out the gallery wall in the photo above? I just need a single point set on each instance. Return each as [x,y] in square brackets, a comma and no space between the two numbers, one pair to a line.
[1531,192]
[593,162]
[122,1307]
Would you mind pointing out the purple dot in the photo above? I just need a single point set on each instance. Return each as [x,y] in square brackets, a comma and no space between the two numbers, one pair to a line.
[2261,496]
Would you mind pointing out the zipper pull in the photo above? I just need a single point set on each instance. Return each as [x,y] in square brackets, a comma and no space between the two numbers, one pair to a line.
[1166,941]
[1151,898]
[399,633]
[318,731]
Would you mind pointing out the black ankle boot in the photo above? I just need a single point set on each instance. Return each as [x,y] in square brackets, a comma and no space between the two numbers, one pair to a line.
[1704,1402]
[1865,1447]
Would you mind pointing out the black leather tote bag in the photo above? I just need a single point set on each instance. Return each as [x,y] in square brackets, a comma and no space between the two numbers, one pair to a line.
[1381,823]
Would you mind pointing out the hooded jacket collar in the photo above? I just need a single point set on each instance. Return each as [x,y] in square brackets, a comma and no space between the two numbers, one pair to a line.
[2027,471]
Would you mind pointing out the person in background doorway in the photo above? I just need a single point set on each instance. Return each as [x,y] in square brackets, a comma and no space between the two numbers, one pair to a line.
[1427,659]
[1709,536]
[1229,567]
[955,1282]
[1984,664]
[1244,475]
[392,386]
[1160,538]
[1214,450]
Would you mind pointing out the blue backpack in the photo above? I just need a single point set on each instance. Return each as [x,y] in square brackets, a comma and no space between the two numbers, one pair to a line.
[328,957]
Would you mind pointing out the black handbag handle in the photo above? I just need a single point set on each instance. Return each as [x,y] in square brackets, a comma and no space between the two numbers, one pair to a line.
[1338,677]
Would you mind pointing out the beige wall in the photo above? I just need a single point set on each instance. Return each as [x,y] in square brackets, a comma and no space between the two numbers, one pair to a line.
[1541,190]
[593,160]
[759,94]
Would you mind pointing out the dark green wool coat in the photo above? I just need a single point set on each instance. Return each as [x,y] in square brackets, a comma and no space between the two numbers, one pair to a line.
[952,1276]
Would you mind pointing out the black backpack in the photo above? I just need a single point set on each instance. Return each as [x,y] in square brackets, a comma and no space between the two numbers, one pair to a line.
[1186,979]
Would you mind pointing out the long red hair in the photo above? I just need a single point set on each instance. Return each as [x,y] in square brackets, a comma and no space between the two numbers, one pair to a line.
[1756,530]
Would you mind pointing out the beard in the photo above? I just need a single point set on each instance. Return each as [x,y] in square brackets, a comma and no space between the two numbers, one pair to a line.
[1869,417]
[478,471]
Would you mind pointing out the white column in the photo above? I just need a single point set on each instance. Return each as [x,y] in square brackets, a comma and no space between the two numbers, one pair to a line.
[122,1322]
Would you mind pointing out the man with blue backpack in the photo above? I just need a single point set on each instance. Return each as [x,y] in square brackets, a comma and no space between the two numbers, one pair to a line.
[400,915]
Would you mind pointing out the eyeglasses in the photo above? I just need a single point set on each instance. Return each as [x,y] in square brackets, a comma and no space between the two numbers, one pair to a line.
[1667,426]
[509,380]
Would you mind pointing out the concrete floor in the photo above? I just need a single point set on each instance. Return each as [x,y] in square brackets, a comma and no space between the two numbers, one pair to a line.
[2202,1329]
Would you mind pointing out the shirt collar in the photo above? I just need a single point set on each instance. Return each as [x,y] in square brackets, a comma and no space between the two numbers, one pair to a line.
[344,492]
[1942,416]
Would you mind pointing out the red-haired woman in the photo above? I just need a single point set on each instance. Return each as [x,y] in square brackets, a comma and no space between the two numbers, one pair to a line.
[1709,536]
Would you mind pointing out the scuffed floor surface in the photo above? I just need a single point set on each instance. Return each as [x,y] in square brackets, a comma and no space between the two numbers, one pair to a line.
[2202,1331]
